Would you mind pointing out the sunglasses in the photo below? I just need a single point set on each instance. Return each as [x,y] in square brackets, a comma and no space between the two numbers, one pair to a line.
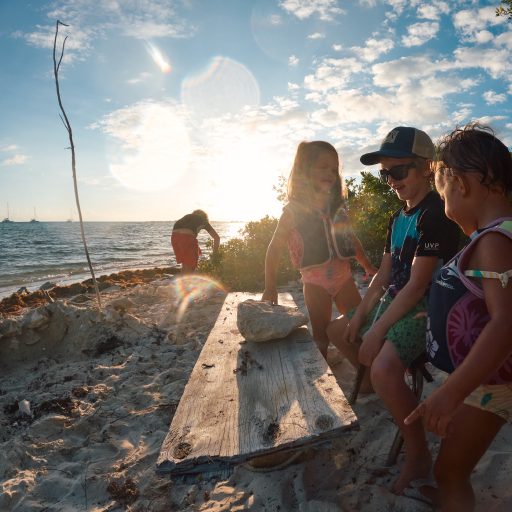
[397,172]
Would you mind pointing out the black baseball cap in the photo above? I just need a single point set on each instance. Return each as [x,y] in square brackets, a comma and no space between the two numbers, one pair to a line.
[402,142]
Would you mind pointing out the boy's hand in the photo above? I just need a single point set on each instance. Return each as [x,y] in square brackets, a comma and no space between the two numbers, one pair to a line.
[351,334]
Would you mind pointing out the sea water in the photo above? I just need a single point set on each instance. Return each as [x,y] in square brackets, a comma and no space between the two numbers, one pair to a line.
[32,253]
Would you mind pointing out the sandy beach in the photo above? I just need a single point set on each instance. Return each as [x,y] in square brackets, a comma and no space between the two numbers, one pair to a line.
[87,398]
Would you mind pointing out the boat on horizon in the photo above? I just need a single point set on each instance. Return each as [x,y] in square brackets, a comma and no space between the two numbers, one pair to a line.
[7,219]
[34,219]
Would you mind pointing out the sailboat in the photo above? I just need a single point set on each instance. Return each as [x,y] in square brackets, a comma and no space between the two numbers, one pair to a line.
[34,219]
[7,219]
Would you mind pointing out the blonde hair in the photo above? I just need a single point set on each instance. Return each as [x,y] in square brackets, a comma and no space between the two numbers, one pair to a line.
[299,182]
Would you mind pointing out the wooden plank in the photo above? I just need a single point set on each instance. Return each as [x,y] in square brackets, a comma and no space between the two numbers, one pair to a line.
[247,399]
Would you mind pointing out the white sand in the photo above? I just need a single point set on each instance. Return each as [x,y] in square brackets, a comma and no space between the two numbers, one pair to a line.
[103,388]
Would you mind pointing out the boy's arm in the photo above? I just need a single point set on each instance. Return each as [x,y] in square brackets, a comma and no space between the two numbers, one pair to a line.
[421,274]
[216,238]
[273,256]
[376,290]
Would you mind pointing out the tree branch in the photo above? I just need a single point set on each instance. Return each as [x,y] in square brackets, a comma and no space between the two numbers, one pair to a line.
[67,125]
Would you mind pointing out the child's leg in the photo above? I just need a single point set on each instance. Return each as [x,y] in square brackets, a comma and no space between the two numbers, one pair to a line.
[347,297]
[473,432]
[335,332]
[387,376]
[319,304]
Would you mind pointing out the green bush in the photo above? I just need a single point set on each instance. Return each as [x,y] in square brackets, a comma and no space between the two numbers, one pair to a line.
[240,262]
[371,204]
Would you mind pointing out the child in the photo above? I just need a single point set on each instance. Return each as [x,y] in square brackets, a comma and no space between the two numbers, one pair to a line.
[321,242]
[184,239]
[391,319]
[470,312]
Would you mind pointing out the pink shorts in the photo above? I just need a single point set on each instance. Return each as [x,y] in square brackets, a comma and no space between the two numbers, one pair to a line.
[330,276]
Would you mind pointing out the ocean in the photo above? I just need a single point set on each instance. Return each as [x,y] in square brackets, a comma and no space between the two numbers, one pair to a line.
[32,253]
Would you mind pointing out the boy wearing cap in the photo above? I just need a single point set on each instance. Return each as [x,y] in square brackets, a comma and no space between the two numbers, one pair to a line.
[390,322]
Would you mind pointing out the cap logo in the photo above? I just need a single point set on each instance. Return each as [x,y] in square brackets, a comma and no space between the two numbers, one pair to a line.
[390,137]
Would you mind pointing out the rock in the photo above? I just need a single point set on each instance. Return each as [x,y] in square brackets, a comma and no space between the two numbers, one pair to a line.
[9,328]
[262,321]
[35,319]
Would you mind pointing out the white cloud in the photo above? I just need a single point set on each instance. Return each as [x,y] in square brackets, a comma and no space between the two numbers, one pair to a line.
[337,47]
[293,87]
[492,97]
[293,61]
[17,159]
[275,19]
[484,36]
[10,147]
[373,49]
[407,69]
[504,39]
[332,73]
[142,77]
[496,62]
[316,35]
[326,10]
[433,11]
[490,119]
[462,115]
[470,22]
[354,106]
[140,19]
[149,145]
[398,6]
[420,33]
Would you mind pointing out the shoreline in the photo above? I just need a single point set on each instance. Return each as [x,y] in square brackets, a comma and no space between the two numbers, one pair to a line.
[15,303]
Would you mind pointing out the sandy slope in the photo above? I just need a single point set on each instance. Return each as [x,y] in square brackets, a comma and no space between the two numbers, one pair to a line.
[103,387]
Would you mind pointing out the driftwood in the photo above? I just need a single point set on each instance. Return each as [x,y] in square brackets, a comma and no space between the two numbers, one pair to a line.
[67,125]
[245,400]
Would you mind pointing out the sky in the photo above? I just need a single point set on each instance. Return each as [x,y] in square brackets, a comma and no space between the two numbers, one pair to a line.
[183,104]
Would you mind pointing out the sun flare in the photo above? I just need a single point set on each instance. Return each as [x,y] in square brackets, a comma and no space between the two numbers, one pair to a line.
[158,58]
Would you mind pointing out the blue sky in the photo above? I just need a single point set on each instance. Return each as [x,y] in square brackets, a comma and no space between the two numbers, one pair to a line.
[184,104]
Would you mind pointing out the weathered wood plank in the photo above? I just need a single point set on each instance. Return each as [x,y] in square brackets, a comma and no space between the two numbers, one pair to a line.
[250,399]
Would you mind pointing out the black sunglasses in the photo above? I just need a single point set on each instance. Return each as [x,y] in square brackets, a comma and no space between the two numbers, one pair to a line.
[397,172]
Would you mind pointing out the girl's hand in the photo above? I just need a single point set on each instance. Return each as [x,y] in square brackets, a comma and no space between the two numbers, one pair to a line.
[270,296]
[437,412]
[370,347]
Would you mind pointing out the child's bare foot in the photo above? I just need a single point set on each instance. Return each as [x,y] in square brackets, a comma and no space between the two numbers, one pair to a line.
[414,468]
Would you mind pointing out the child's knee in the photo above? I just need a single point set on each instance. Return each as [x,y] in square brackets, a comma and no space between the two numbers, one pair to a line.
[386,367]
[336,329]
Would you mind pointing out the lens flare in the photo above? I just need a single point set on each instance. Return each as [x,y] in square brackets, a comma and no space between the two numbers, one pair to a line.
[152,148]
[225,86]
[190,288]
[158,58]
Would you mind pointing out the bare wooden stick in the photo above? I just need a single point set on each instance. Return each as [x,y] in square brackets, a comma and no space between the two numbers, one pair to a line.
[67,125]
